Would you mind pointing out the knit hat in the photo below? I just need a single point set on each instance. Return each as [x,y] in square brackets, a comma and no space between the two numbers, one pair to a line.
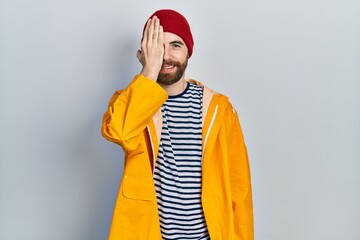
[174,22]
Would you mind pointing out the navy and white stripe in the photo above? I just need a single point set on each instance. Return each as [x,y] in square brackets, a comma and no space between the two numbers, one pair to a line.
[177,173]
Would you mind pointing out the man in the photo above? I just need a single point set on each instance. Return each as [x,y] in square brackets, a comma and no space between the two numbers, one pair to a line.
[186,173]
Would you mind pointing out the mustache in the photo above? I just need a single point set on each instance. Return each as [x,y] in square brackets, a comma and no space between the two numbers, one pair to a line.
[173,63]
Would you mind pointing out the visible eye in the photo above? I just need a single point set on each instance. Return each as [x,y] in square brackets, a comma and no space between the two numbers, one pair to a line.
[175,45]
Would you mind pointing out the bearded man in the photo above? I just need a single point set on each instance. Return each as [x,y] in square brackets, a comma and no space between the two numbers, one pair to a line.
[186,172]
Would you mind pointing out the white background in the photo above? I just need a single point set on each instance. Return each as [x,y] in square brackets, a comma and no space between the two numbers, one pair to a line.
[291,69]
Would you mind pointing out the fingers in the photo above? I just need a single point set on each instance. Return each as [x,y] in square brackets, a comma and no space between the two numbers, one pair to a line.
[150,31]
[153,31]
[145,35]
[161,35]
[156,29]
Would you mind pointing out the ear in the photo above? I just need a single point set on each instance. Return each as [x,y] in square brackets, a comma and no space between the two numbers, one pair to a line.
[138,54]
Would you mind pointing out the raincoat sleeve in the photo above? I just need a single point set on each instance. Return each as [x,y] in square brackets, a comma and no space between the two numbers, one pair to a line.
[240,182]
[130,110]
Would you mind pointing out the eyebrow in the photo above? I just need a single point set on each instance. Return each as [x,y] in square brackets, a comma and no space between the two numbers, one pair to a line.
[177,42]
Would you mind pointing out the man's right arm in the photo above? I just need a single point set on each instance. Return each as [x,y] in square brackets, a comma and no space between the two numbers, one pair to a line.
[130,110]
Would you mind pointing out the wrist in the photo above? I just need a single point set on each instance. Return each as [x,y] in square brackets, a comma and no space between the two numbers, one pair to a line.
[148,73]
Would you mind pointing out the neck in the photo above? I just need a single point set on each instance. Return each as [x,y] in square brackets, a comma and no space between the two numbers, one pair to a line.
[176,88]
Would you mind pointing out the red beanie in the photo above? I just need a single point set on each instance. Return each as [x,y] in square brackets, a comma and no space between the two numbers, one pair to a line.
[174,22]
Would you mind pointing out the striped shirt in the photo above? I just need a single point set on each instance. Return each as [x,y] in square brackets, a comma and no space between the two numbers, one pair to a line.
[177,173]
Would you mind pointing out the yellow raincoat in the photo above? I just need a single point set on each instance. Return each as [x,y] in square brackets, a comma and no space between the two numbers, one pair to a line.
[134,121]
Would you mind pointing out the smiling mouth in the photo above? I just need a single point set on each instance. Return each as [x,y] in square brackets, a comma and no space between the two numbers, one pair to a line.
[167,68]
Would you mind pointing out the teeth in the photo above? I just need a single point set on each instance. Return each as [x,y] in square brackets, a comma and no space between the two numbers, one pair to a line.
[168,66]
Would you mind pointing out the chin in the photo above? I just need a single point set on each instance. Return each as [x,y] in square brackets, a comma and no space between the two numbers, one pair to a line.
[167,81]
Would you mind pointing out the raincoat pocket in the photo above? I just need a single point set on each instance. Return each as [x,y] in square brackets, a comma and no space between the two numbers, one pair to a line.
[138,188]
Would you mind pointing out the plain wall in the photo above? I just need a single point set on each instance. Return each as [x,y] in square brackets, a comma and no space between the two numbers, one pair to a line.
[291,69]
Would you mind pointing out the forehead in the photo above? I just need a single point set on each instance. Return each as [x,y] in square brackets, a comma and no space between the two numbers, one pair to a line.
[171,37]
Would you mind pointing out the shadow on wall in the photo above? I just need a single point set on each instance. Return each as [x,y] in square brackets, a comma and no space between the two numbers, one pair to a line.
[100,162]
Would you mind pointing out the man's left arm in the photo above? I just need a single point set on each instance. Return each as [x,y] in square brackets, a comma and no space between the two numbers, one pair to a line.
[240,181]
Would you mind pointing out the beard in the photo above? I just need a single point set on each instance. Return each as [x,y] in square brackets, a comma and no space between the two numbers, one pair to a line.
[171,78]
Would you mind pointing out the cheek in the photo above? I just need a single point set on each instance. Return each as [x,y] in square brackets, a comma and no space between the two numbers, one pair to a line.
[183,55]
[179,55]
